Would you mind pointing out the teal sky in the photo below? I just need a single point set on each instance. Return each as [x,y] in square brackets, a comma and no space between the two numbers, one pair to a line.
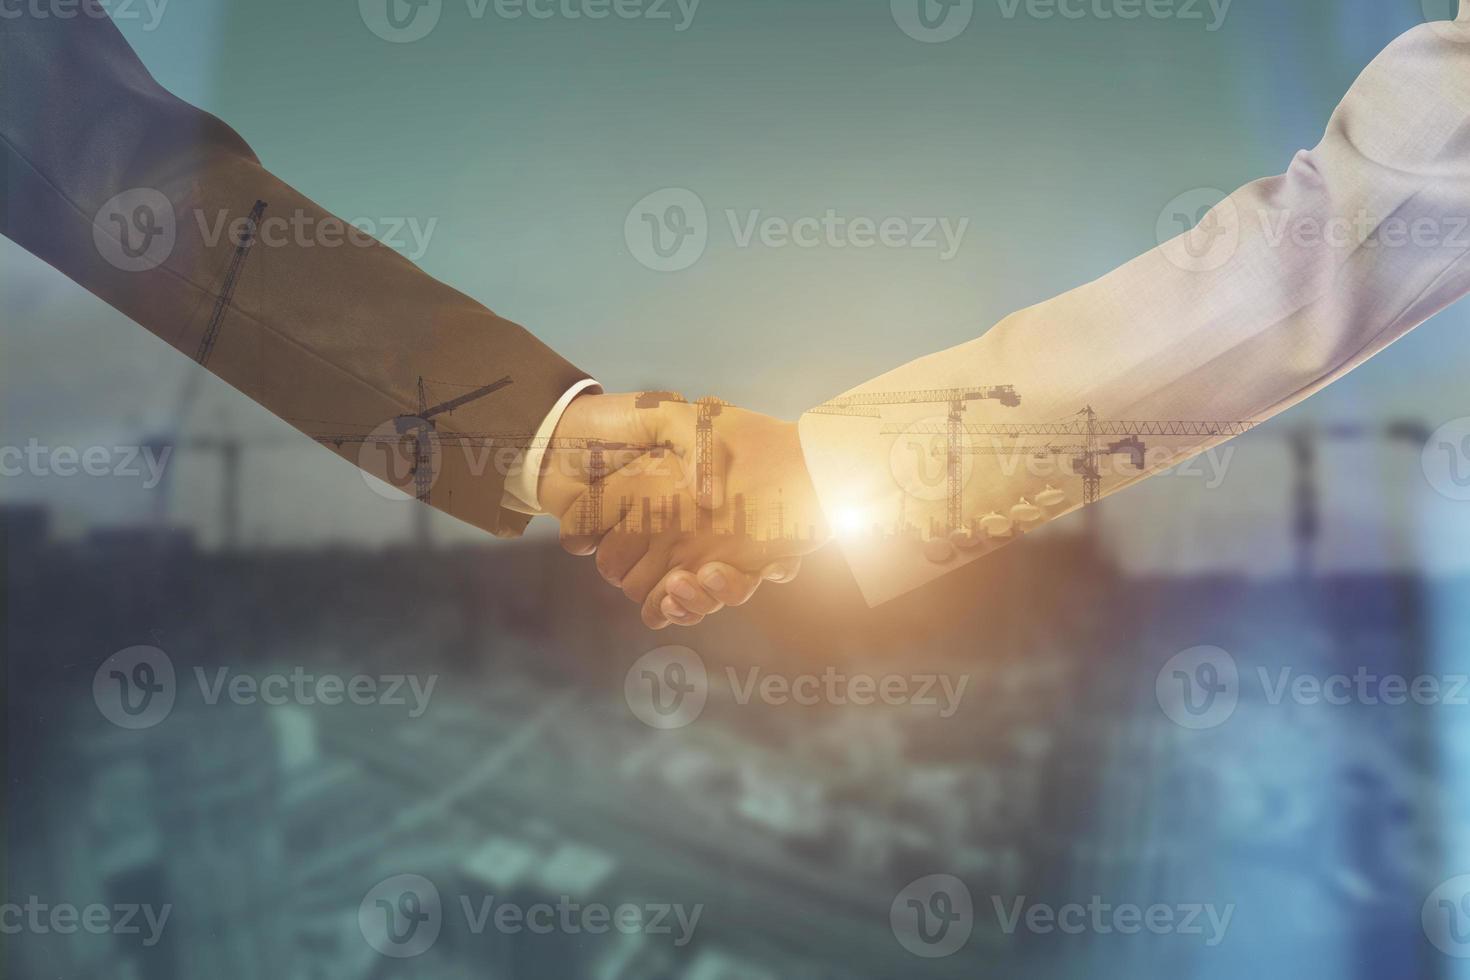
[524,143]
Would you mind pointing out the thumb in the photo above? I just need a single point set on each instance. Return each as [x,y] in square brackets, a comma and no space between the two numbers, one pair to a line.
[781,571]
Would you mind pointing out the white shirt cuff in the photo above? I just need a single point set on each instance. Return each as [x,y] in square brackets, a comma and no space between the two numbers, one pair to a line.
[522,482]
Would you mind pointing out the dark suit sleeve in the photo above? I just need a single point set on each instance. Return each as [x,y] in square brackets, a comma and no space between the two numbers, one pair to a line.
[141,198]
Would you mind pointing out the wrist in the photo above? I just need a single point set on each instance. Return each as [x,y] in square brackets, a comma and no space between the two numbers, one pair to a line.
[558,482]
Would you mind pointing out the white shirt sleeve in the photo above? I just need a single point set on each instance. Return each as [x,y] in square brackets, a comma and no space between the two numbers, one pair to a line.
[1282,288]
[522,491]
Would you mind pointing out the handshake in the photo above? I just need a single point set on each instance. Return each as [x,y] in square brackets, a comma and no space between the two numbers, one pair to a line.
[686,507]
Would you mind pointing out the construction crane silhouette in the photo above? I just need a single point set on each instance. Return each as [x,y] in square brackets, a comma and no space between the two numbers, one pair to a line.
[706,411]
[1302,442]
[422,429]
[1085,459]
[231,450]
[227,288]
[589,517]
[957,399]
[1086,456]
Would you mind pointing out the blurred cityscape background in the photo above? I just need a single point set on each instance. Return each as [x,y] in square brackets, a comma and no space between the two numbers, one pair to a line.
[794,827]
[1321,543]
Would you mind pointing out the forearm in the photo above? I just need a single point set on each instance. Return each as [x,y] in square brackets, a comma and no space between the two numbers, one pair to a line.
[324,327]
[1294,281]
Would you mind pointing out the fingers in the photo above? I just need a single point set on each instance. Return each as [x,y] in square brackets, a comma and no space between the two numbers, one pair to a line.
[782,570]
[618,553]
[641,580]
[687,595]
[660,609]
[726,584]
[580,535]
[683,596]
[583,524]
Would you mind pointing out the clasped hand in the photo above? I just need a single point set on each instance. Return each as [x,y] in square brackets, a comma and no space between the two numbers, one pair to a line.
[687,507]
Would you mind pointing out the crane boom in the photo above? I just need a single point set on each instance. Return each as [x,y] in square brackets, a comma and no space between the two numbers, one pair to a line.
[227,288]
[1005,394]
[589,518]
[449,406]
[1081,428]
[956,399]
